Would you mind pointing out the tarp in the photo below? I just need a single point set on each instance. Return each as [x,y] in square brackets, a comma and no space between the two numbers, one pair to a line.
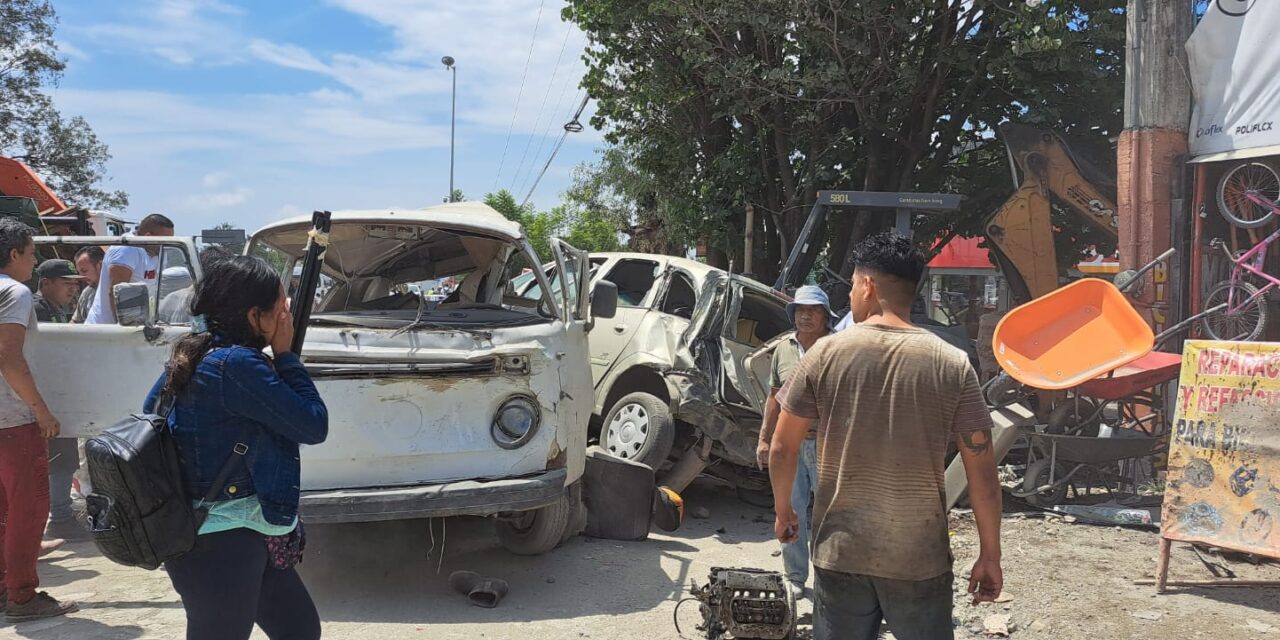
[1234,64]
[1223,485]
[962,253]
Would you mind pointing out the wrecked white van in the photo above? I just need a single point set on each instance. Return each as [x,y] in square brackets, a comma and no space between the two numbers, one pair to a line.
[474,405]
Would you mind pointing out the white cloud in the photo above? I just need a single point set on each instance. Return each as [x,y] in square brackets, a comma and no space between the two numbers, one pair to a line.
[285,127]
[215,179]
[218,199]
[491,52]
[182,32]
[287,55]
[368,127]
[71,51]
[291,210]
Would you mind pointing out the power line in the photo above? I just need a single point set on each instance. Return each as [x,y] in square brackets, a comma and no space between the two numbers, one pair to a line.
[519,95]
[569,84]
[541,110]
[572,126]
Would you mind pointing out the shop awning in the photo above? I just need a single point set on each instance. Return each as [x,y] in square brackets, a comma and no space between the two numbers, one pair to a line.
[1234,63]
[962,253]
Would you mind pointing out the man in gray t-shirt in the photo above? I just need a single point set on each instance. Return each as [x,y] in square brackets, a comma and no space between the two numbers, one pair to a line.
[17,309]
[26,424]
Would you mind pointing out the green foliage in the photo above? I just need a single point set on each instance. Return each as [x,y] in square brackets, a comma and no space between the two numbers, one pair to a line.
[64,151]
[714,105]
[593,233]
[579,226]
[541,228]
[505,203]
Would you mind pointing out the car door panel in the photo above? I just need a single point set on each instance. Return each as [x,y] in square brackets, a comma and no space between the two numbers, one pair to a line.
[93,376]
[612,337]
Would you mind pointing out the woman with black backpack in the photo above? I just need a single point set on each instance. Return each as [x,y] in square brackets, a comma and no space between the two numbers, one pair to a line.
[235,407]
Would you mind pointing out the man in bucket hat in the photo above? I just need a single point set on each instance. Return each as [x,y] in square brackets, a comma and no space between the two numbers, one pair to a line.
[810,314]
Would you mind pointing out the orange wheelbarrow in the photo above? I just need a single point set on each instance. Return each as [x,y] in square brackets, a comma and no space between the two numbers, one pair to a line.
[1087,339]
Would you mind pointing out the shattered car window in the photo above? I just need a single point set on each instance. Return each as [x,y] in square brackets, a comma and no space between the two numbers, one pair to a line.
[376,271]
[681,298]
[760,319]
[635,278]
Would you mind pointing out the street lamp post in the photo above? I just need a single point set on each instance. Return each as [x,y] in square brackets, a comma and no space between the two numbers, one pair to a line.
[453,114]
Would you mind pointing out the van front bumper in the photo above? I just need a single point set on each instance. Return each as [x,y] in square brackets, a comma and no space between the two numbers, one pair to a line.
[461,498]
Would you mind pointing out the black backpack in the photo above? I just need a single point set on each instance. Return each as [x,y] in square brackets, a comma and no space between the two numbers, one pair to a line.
[139,513]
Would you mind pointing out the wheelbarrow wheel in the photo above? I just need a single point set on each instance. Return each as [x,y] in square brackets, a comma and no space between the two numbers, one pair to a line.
[1075,417]
[1036,477]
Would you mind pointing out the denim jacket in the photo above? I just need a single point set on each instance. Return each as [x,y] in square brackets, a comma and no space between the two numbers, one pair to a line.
[237,396]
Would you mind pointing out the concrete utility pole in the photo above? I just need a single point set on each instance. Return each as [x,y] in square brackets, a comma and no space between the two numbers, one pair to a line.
[1157,112]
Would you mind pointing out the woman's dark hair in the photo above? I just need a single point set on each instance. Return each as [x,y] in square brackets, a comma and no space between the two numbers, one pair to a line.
[228,290]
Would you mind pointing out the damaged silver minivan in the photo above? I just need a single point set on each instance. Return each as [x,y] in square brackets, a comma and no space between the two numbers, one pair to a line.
[477,404]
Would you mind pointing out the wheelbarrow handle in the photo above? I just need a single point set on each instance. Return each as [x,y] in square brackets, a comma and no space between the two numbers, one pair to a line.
[1137,276]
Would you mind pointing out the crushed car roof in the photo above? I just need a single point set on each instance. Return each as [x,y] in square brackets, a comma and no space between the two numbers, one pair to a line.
[471,216]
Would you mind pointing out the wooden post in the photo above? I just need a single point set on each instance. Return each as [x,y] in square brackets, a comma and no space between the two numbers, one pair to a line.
[749,240]
[1162,564]
[1157,112]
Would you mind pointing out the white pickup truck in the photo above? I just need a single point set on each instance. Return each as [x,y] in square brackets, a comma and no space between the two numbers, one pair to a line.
[478,406]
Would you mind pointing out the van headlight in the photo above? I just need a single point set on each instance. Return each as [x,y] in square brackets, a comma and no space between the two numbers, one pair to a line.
[515,422]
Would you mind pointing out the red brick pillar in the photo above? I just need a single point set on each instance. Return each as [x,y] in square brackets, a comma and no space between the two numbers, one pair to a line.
[1157,112]
[1147,168]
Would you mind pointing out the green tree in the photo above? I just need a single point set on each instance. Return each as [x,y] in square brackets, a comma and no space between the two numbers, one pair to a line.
[64,151]
[611,192]
[576,224]
[714,105]
[593,234]
[505,203]
[540,228]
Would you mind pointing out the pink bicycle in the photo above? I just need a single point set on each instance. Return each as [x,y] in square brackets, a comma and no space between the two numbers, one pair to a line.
[1243,315]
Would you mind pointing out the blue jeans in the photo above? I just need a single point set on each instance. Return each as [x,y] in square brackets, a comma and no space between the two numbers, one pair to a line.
[64,460]
[795,555]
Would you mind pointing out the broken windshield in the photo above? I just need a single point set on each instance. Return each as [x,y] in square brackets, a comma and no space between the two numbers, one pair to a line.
[415,276]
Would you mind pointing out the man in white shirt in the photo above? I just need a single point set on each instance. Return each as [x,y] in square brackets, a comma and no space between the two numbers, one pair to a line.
[124,264]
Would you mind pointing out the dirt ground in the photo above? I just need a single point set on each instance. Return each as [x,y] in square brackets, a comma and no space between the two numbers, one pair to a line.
[386,581]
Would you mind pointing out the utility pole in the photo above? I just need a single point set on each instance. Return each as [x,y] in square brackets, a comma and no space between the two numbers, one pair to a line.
[1157,113]
[453,116]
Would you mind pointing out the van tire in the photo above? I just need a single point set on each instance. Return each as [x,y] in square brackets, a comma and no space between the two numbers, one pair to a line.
[647,418]
[533,533]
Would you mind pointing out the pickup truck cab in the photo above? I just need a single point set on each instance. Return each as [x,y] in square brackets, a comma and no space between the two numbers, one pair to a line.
[476,406]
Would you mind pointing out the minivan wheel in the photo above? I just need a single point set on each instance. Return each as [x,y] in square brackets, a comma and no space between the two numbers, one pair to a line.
[640,428]
[533,533]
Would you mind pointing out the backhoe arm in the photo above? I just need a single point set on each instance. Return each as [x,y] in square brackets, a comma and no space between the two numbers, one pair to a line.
[1021,231]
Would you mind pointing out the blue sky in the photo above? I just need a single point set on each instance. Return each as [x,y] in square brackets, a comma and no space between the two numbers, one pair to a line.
[245,112]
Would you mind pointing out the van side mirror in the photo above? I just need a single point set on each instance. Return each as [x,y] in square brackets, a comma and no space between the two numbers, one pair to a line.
[133,304]
[604,299]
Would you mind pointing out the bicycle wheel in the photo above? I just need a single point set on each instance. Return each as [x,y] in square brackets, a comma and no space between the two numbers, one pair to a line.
[1256,177]
[1243,322]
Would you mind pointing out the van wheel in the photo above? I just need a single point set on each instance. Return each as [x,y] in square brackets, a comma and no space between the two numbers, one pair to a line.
[639,428]
[533,533]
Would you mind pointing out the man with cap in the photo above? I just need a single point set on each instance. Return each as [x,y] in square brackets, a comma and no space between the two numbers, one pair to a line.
[59,285]
[58,288]
[810,314]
